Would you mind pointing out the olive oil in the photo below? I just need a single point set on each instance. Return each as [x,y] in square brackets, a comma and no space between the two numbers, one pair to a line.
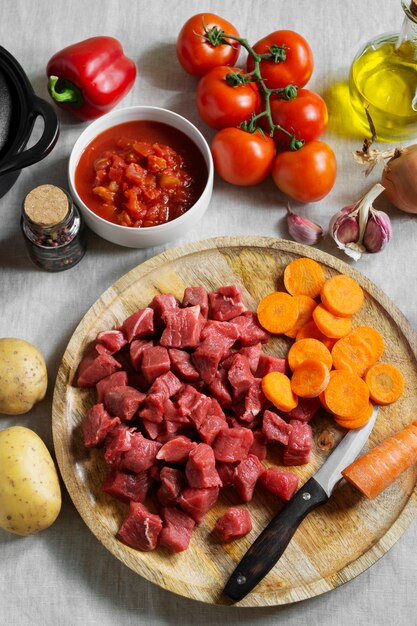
[383,80]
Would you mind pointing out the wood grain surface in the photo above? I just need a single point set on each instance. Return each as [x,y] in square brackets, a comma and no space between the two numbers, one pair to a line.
[337,541]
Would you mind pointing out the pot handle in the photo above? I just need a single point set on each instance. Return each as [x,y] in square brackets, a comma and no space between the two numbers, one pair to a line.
[43,146]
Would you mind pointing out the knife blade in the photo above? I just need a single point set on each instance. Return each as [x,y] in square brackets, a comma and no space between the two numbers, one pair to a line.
[273,540]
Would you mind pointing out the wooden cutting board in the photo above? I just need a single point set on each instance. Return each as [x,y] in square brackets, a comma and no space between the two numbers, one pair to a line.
[337,541]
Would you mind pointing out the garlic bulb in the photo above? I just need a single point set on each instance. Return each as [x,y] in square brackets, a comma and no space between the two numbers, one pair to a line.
[360,228]
[302,229]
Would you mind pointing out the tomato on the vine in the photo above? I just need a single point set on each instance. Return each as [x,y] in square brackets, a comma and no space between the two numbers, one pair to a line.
[307,174]
[297,67]
[197,55]
[305,116]
[221,104]
[242,158]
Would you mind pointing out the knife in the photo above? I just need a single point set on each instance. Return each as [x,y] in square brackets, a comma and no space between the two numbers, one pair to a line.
[271,543]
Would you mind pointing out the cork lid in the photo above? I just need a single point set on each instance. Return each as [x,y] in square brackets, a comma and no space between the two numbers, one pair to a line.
[46,205]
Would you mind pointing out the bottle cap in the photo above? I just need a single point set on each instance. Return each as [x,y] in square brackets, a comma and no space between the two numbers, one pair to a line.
[46,205]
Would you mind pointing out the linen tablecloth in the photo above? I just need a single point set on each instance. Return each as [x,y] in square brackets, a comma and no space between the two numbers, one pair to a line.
[64,576]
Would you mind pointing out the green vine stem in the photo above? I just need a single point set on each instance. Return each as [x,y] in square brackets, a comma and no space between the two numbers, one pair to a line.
[216,37]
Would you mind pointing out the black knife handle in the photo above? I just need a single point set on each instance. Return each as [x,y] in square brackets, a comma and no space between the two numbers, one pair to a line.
[271,543]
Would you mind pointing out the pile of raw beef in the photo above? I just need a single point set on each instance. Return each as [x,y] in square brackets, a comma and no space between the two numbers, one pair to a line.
[181,414]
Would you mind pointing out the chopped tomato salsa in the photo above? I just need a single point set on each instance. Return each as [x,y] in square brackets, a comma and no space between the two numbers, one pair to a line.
[140,174]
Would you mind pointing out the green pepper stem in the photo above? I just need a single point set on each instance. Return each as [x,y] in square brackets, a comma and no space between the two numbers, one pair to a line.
[63,90]
[277,54]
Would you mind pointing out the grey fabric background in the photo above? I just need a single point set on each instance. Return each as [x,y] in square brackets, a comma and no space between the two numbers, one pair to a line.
[63,576]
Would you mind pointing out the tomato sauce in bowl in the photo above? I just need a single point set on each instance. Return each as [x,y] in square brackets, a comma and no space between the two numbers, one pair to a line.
[140,174]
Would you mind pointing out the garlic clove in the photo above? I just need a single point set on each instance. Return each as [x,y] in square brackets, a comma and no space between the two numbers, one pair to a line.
[378,231]
[346,229]
[303,230]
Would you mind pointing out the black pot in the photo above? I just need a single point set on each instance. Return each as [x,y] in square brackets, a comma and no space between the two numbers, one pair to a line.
[19,108]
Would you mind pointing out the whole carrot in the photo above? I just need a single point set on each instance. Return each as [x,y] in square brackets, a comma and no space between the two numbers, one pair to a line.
[377,469]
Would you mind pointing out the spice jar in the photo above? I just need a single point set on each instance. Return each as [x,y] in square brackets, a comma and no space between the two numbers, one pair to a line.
[383,80]
[52,228]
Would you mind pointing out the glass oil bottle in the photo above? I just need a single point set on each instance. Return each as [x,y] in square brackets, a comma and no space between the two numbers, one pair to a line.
[383,80]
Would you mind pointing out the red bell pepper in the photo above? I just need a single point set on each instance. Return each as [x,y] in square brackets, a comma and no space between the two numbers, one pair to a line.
[90,77]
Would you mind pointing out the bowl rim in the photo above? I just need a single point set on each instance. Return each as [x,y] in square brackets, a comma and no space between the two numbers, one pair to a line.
[115,113]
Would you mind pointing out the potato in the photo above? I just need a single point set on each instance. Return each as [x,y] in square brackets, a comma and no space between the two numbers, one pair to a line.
[23,376]
[30,495]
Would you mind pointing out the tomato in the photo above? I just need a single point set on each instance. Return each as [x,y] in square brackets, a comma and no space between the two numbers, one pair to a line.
[307,174]
[196,55]
[220,104]
[242,158]
[297,67]
[306,116]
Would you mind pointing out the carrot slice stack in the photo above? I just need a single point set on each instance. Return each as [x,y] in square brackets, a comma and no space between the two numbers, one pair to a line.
[304,276]
[346,394]
[310,378]
[333,326]
[342,295]
[308,349]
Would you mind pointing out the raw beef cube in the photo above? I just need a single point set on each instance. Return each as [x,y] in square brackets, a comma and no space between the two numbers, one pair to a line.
[240,376]
[163,388]
[275,428]
[254,401]
[94,368]
[196,502]
[183,328]
[96,425]
[226,472]
[182,366]
[125,486]
[118,379]
[176,533]
[160,304]
[187,400]
[224,329]
[112,340]
[141,528]
[174,421]
[305,410]
[232,444]
[220,390]
[117,442]
[246,476]
[209,353]
[226,303]
[250,330]
[137,348]
[259,447]
[176,450]
[155,362]
[252,353]
[194,296]
[297,451]
[123,401]
[172,482]
[200,411]
[280,482]
[234,524]
[153,430]
[200,469]
[141,454]
[268,363]
[139,325]
[210,427]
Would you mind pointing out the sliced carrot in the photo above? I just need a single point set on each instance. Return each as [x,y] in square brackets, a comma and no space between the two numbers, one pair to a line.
[331,325]
[385,382]
[304,276]
[310,330]
[356,421]
[308,349]
[380,467]
[310,378]
[277,389]
[346,394]
[277,312]
[342,295]
[306,306]
[372,336]
[352,353]
[321,396]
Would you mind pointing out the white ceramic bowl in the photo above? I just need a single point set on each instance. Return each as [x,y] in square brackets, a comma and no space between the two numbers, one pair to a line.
[151,235]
